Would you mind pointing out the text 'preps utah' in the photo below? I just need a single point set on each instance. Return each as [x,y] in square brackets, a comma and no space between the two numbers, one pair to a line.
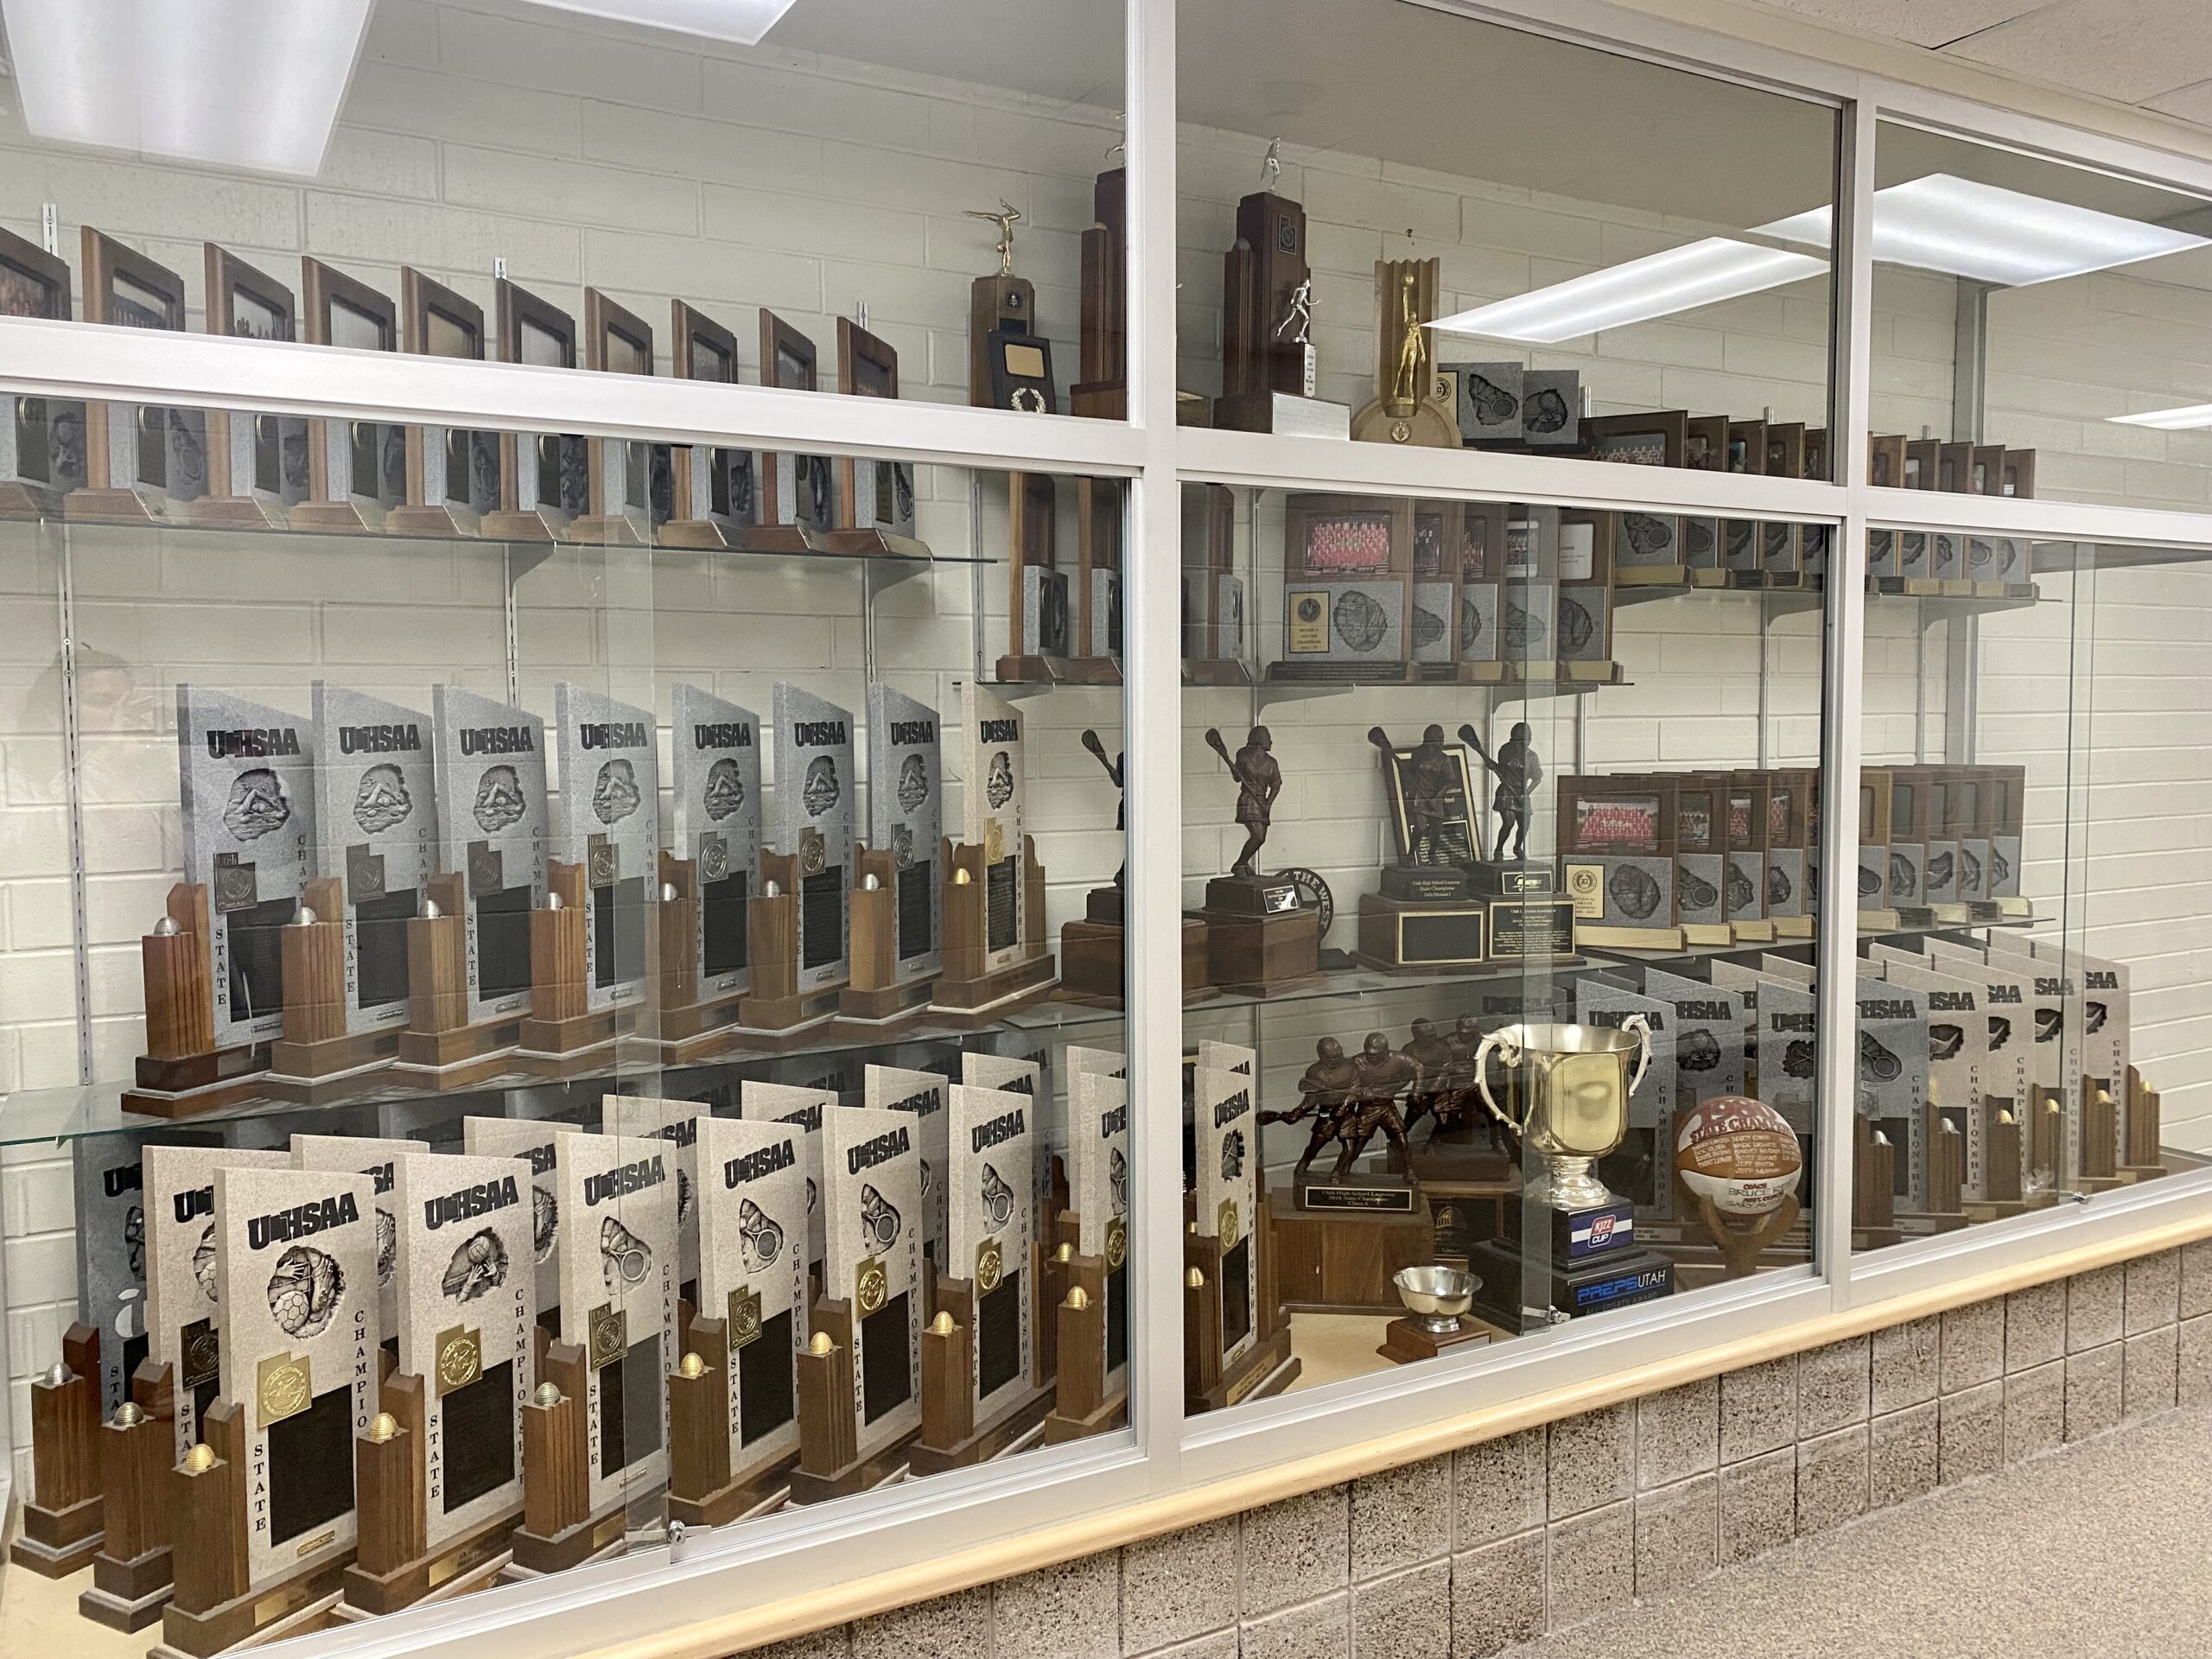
[253,743]
[889,1144]
[496,740]
[379,740]
[753,1164]
[480,1199]
[318,1216]
[722,734]
[1004,1127]
[613,734]
[623,1181]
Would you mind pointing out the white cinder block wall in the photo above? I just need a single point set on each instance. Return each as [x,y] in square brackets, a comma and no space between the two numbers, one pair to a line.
[584,154]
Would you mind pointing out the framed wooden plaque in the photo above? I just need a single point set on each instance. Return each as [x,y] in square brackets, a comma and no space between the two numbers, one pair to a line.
[41,439]
[798,493]
[257,464]
[626,483]
[453,476]
[875,499]
[357,469]
[542,475]
[712,499]
[140,461]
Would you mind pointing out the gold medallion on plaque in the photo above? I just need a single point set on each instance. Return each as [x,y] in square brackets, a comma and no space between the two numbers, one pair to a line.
[990,1265]
[1117,1244]
[284,1385]
[1586,884]
[1224,1223]
[813,852]
[994,841]
[460,1358]
[871,1285]
[609,1334]
[744,1316]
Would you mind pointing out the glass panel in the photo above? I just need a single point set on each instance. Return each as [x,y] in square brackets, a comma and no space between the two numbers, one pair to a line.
[2022,846]
[644,957]
[1397,225]
[2039,328]
[1497,958]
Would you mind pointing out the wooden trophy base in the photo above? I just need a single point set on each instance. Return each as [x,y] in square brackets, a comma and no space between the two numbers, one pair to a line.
[608,530]
[128,1596]
[785,538]
[307,1603]
[774,1022]
[1217,670]
[455,1567]
[334,1068]
[972,1004]
[462,1057]
[56,1542]
[595,1536]
[1112,1413]
[1410,1339]
[1059,671]
[1266,1368]
[1091,962]
[1008,1429]
[759,1492]
[1100,400]
[883,1013]
[568,1048]
[702,536]
[861,1474]
[1263,957]
[1740,1248]
[1421,426]
[436,524]
[339,518]
[236,512]
[193,1083]
[21,500]
[539,526]
[117,507]
[1341,1260]
[873,544]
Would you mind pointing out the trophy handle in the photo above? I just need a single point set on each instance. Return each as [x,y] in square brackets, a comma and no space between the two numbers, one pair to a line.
[1510,1051]
[1642,1027]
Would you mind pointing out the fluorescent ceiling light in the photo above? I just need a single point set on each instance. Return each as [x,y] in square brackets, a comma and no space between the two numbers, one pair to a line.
[2169,420]
[743,22]
[1993,235]
[245,82]
[1657,285]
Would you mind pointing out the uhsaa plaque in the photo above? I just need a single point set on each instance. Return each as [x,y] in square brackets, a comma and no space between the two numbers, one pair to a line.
[873,1260]
[295,1269]
[991,799]
[905,795]
[618,1297]
[993,1174]
[184,1315]
[610,818]
[1099,1187]
[753,1225]
[537,1143]
[815,819]
[1016,1074]
[786,1102]
[893,1088]
[377,1159]
[490,762]
[376,813]
[676,1122]
[111,1217]
[246,784]
[1229,1196]
[714,756]
[467,1306]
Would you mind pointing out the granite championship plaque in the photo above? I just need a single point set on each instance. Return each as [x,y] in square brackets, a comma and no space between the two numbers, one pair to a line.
[753,1231]
[816,820]
[905,802]
[246,784]
[993,1225]
[992,794]
[715,771]
[377,1159]
[1598,1001]
[1958,1051]
[1787,1050]
[610,824]
[893,1088]
[873,1204]
[784,1103]
[652,1117]
[490,761]
[537,1142]
[1098,1188]
[1226,1130]
[1892,1087]
[377,814]
[468,1314]
[183,1300]
[618,1286]
[295,1260]
[1709,1027]
[2007,999]
[112,1240]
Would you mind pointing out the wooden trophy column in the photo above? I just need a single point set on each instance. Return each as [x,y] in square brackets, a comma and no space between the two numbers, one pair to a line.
[558,1530]
[775,1004]
[704,1489]
[62,1519]
[394,1567]
[950,1436]
[315,1049]
[875,993]
[830,1464]
[439,1037]
[182,1073]
[562,1027]
[1082,1405]
[1103,391]
[1267,1367]
[970,986]
[132,1574]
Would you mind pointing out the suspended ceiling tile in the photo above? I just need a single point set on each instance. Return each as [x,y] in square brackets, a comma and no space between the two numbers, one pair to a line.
[1917,23]
[2191,103]
[2125,50]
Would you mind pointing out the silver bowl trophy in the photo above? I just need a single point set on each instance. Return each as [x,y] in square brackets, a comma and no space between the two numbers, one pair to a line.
[1436,1295]
[1568,1100]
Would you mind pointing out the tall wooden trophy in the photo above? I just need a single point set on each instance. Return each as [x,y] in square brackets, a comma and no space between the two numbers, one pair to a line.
[64,1516]
[1411,405]
[898,942]
[143,463]
[1426,918]
[860,1378]
[713,502]
[986,1370]
[732,1404]
[346,984]
[437,1474]
[357,470]
[1262,939]
[41,439]
[215,965]
[1007,358]
[544,476]
[1101,389]
[995,956]
[798,493]
[263,1505]
[453,475]
[257,468]
[626,483]
[1236,1341]
[1092,1345]
[801,916]
[702,960]
[589,947]
[1269,365]
[875,499]
[1216,642]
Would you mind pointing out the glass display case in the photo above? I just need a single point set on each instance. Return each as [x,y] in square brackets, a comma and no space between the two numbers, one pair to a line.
[785,793]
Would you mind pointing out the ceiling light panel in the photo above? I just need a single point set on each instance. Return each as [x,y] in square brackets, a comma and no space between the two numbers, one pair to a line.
[1657,285]
[249,84]
[741,21]
[2187,419]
